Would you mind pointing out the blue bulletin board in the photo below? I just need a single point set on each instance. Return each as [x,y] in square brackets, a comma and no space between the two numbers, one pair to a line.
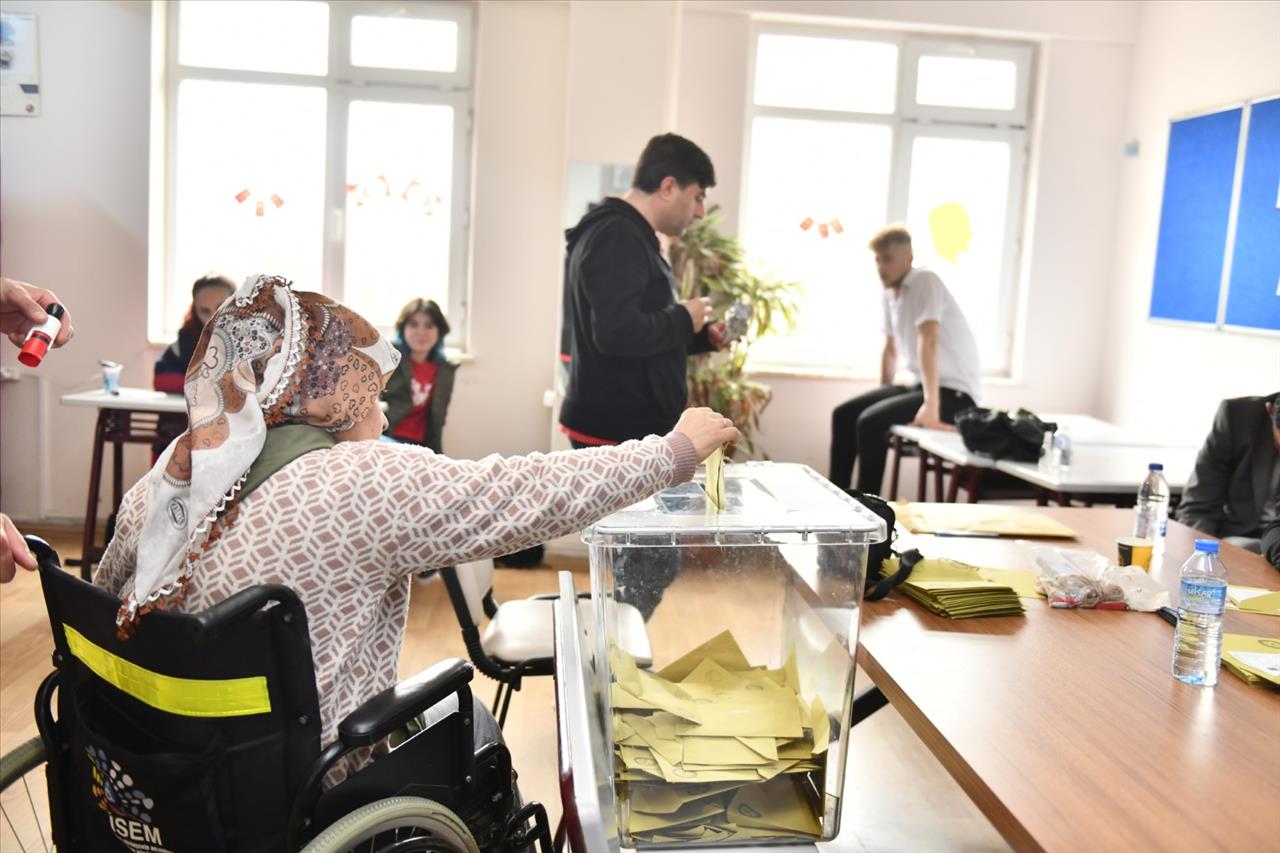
[1253,291]
[1218,251]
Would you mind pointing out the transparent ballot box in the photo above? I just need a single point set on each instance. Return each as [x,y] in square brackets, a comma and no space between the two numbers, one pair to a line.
[704,687]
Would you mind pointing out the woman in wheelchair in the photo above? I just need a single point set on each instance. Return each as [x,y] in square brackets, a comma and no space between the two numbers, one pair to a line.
[280,480]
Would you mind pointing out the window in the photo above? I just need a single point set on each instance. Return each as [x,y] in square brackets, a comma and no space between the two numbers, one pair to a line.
[324,141]
[850,131]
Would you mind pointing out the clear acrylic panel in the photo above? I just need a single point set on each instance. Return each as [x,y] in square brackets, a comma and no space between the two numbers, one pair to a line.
[955,81]
[826,73]
[413,44]
[249,184]
[285,36]
[398,210]
[816,192]
[957,209]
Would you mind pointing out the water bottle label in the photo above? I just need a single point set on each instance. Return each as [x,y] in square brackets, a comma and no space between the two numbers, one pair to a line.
[1207,599]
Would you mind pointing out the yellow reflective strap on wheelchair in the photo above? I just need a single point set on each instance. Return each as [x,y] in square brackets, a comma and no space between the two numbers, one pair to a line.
[190,697]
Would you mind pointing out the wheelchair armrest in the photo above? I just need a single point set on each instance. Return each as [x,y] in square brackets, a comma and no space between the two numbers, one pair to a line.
[393,707]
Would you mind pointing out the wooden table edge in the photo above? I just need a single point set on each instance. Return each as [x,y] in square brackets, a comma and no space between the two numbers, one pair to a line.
[1009,827]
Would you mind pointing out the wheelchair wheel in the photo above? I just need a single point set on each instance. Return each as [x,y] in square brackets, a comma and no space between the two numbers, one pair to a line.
[396,825]
[24,799]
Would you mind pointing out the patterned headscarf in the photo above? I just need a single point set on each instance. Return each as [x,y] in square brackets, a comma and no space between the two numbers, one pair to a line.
[270,355]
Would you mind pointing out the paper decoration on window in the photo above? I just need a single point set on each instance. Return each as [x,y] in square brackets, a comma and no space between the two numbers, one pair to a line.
[259,206]
[825,229]
[412,194]
[949,226]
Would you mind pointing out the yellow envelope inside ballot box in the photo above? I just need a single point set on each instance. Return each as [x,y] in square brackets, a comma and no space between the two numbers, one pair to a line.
[722,648]
[711,733]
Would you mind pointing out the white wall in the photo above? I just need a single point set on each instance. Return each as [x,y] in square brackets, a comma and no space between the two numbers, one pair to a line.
[516,230]
[1189,56]
[73,208]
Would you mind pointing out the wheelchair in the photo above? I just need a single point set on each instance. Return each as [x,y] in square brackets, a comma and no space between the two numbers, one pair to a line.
[202,732]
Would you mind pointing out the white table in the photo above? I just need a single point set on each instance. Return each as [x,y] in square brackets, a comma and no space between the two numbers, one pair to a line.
[133,416]
[1103,471]
[1104,456]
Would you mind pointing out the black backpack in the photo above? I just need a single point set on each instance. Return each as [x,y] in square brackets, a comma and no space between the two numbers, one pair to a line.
[876,586]
[1019,436]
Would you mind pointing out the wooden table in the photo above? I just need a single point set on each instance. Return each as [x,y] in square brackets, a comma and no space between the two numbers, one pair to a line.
[134,416]
[1067,728]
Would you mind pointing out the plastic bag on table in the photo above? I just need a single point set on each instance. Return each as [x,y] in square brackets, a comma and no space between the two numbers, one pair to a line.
[1072,578]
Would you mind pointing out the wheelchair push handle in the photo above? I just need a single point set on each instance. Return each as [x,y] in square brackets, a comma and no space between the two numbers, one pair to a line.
[46,558]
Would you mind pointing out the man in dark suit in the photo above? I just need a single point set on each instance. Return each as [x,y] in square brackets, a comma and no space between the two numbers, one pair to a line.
[1237,474]
[1271,533]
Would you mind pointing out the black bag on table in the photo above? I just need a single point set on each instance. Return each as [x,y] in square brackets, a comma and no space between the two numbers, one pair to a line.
[877,587]
[997,433]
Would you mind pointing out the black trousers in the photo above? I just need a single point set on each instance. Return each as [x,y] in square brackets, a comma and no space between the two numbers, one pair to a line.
[642,575]
[860,429]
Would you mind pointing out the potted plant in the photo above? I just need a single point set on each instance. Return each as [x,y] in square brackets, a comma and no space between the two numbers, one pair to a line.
[709,263]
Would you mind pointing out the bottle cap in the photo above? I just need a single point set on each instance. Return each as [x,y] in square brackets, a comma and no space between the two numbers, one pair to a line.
[1156,466]
[34,349]
[41,337]
[1207,546]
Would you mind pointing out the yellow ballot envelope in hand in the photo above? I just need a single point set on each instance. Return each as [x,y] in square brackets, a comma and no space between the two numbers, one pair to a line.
[714,485]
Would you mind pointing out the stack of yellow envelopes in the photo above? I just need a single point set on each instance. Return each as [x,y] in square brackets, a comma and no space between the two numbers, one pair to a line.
[713,750]
[959,591]
[1254,659]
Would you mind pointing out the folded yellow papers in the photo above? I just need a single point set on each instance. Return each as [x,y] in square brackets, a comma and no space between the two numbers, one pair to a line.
[1254,599]
[959,591]
[1254,659]
[712,750]
[978,518]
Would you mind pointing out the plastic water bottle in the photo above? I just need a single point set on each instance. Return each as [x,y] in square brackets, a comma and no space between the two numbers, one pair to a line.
[1153,506]
[1202,597]
[1062,447]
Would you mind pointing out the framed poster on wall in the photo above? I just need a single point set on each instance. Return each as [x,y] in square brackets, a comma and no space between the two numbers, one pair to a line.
[19,66]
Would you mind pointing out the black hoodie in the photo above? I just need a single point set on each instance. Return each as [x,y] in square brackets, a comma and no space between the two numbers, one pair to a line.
[628,338]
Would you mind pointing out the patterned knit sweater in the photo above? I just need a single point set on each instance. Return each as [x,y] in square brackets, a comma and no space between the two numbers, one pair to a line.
[347,527]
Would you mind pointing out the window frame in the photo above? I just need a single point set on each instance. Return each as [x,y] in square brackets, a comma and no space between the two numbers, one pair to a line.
[908,121]
[342,84]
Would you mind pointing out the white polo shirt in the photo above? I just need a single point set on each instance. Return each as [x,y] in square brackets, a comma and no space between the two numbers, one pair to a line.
[923,297]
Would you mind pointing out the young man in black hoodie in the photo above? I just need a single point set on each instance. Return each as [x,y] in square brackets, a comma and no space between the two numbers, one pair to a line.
[629,339]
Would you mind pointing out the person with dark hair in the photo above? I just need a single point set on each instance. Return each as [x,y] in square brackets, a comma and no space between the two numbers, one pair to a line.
[923,323]
[207,294]
[419,391]
[1237,476]
[629,338]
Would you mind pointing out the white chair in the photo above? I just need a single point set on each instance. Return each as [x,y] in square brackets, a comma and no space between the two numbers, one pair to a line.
[518,639]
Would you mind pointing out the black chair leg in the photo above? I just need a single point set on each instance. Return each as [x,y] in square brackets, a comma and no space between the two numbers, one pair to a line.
[497,701]
[867,703]
[506,703]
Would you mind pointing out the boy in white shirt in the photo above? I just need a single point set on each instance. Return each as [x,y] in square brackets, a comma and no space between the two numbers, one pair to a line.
[923,323]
